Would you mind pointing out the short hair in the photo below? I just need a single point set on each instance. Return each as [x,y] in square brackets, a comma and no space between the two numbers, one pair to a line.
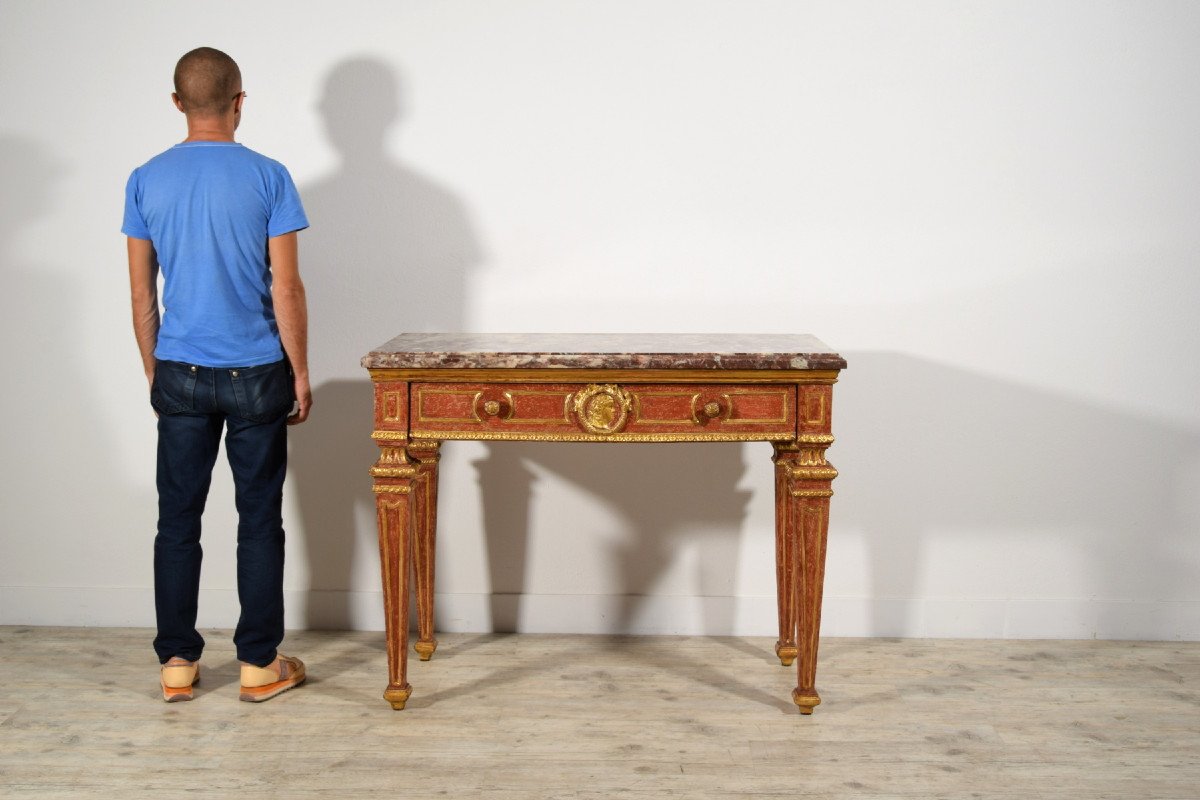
[206,80]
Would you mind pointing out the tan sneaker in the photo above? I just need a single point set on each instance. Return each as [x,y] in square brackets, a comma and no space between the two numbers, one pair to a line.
[263,683]
[177,677]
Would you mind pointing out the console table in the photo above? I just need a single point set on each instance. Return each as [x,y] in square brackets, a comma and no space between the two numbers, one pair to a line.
[434,387]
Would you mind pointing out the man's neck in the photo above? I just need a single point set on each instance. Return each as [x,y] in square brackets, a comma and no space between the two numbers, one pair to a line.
[210,129]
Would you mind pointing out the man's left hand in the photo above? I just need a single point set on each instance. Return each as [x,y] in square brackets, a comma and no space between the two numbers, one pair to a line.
[303,399]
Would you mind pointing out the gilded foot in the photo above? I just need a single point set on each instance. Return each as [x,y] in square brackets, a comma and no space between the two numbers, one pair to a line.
[786,653]
[807,700]
[425,648]
[397,695]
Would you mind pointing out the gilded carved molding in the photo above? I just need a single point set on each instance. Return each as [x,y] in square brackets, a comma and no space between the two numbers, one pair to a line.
[390,488]
[806,473]
[424,449]
[393,472]
[814,438]
[612,437]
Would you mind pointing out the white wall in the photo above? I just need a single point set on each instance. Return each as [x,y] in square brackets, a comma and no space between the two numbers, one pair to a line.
[990,208]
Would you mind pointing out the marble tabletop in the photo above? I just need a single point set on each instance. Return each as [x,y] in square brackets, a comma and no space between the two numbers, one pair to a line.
[603,351]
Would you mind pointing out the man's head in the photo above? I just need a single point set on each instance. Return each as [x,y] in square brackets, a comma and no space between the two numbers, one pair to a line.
[208,83]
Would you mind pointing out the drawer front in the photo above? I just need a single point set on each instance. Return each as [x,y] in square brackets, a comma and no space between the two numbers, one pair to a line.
[603,412]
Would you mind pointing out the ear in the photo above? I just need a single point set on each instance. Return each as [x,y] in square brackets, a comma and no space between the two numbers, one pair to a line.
[237,102]
[178,103]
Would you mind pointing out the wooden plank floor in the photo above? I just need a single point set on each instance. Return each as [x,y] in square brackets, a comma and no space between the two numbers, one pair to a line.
[521,717]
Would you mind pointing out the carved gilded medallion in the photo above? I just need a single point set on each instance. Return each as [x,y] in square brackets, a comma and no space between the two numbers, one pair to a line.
[602,409]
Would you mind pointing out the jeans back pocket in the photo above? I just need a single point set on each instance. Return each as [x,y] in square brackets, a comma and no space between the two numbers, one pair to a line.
[263,393]
[174,387]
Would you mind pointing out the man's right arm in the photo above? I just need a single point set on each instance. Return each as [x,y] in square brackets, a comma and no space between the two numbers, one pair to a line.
[143,291]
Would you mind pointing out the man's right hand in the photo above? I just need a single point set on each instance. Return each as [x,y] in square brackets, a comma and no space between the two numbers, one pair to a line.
[143,289]
[150,383]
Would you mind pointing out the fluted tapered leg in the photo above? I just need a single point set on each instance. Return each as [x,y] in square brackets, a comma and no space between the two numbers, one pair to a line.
[803,478]
[395,523]
[813,527]
[785,566]
[425,454]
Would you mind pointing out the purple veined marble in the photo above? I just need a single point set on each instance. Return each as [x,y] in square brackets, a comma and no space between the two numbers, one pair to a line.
[714,351]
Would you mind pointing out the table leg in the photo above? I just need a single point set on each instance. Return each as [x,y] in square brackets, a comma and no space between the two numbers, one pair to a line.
[808,478]
[813,527]
[785,646]
[395,478]
[425,453]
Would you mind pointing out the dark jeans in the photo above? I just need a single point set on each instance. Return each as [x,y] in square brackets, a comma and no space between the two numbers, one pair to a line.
[194,404]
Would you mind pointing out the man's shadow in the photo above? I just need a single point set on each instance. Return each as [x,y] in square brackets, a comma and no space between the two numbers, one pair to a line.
[389,250]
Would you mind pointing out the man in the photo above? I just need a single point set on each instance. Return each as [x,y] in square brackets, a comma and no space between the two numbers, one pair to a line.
[220,221]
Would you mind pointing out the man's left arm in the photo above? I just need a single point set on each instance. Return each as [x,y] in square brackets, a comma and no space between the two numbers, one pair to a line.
[143,292]
[291,315]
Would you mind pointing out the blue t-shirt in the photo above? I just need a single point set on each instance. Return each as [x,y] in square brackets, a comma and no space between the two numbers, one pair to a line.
[209,208]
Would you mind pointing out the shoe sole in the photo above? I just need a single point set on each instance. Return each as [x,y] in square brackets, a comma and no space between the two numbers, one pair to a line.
[258,694]
[178,694]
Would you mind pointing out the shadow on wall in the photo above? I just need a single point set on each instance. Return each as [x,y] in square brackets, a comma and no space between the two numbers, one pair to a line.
[964,486]
[667,496]
[929,453]
[328,463]
[389,250]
